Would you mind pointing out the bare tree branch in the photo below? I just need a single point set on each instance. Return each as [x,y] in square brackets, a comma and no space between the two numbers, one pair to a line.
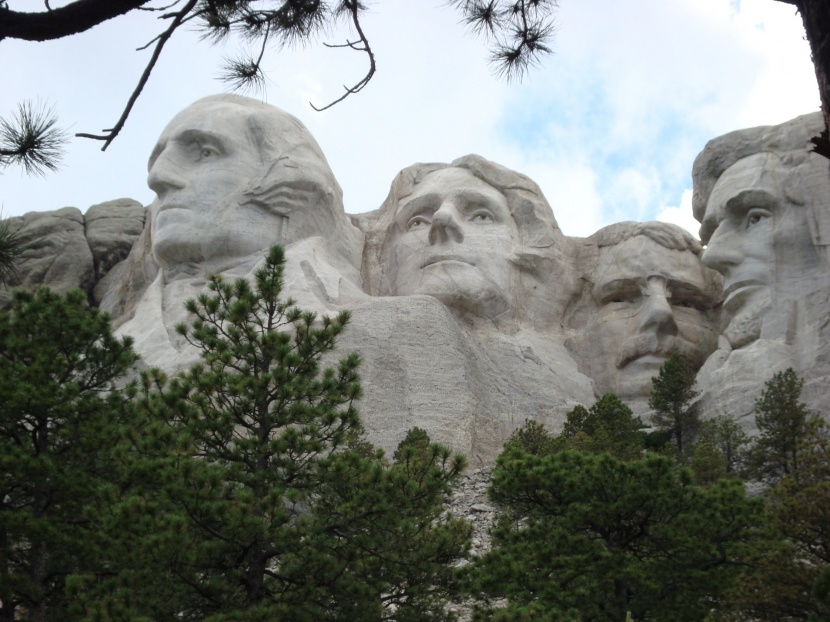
[354,8]
[110,134]
[74,18]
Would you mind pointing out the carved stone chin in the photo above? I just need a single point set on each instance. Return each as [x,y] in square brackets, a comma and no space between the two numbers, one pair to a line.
[745,326]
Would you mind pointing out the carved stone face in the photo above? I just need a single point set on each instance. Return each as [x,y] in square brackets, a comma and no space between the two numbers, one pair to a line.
[199,168]
[651,301]
[758,238]
[739,225]
[455,239]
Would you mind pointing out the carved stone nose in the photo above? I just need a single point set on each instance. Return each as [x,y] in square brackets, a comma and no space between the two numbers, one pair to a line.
[656,314]
[720,255]
[164,176]
[445,226]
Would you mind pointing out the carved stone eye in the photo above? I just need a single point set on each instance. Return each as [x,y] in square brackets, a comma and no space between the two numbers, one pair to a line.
[755,216]
[481,217]
[417,223]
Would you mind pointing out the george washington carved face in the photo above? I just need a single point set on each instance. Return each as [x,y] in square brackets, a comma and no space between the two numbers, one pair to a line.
[233,176]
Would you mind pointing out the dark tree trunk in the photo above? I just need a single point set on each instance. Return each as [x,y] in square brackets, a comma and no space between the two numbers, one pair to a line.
[816,17]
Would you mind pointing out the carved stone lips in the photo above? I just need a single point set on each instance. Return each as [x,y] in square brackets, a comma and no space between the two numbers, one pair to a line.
[171,206]
[441,258]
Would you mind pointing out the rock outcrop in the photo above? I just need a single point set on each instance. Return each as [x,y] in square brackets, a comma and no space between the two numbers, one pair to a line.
[470,309]
[66,249]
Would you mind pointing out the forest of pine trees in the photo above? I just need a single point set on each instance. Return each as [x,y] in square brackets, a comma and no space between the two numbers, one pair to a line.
[244,489]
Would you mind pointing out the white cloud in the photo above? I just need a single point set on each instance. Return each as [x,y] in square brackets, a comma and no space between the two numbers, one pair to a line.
[571,190]
[608,127]
[681,215]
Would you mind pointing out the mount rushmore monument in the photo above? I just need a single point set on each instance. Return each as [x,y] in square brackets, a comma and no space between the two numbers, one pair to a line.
[471,310]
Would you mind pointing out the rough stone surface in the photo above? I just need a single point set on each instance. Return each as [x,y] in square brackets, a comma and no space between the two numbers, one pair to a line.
[111,230]
[56,253]
[471,310]
[468,368]
[469,501]
[764,203]
[645,295]
[67,249]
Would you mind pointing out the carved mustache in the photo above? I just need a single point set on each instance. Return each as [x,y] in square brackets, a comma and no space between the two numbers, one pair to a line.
[641,345]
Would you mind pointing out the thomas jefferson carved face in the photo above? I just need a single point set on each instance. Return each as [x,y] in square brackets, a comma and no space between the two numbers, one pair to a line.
[652,301]
[454,240]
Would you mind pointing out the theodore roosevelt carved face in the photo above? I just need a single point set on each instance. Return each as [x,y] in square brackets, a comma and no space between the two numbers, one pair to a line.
[653,297]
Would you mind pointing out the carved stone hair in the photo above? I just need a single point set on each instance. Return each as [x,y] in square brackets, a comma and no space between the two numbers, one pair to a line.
[527,205]
[789,141]
[665,234]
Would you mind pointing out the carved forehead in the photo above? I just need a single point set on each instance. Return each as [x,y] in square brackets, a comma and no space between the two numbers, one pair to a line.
[452,181]
[266,130]
[221,121]
[641,257]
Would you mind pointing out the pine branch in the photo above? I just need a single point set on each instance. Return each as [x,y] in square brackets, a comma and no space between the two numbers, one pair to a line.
[32,139]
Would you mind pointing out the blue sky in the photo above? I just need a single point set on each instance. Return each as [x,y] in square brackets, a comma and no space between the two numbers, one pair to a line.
[608,126]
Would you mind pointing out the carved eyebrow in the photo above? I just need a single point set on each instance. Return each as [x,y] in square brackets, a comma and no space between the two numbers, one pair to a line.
[745,200]
[409,208]
[686,288]
[435,199]
[615,286]
[188,136]
[736,206]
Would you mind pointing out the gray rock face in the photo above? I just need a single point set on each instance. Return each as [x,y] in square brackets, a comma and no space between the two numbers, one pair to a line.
[111,230]
[471,311]
[56,252]
[763,200]
[646,295]
[66,249]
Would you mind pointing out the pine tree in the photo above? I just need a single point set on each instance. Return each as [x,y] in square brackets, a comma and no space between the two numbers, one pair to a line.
[265,501]
[782,420]
[790,576]
[589,537]
[534,438]
[385,548]
[59,415]
[671,399]
[609,425]
[259,414]
[11,251]
[720,450]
